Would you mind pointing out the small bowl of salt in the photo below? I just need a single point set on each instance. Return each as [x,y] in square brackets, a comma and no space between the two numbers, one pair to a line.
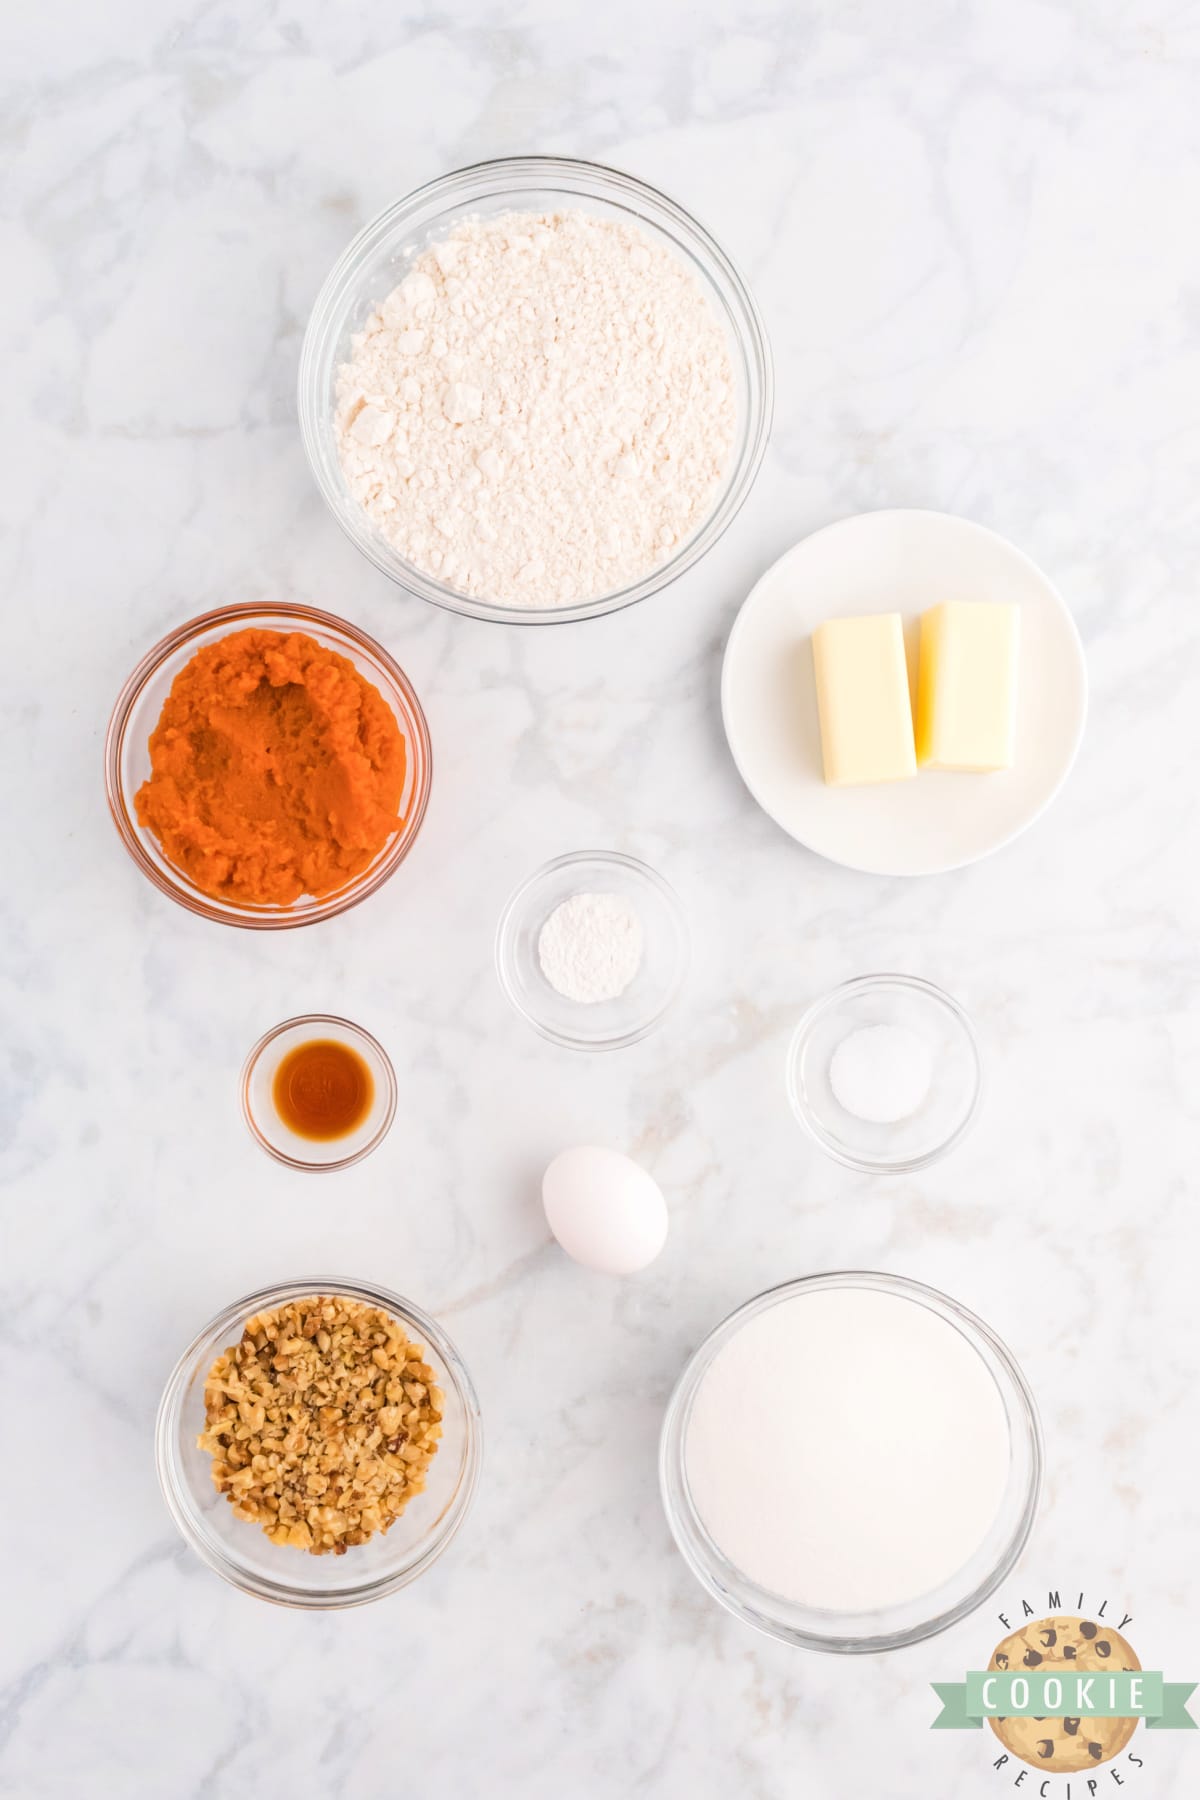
[884,1072]
[592,950]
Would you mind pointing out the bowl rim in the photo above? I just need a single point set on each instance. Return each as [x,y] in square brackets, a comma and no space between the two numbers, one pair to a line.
[174,1488]
[826,1002]
[175,886]
[336,1027]
[506,923]
[743,322]
[683,1520]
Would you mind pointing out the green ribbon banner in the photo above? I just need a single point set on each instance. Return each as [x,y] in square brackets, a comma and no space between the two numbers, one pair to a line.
[1064,1693]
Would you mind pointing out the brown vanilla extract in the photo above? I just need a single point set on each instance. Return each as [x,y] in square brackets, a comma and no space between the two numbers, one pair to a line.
[323,1089]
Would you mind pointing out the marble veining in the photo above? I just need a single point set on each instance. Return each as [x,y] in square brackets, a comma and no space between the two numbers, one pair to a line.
[971,226]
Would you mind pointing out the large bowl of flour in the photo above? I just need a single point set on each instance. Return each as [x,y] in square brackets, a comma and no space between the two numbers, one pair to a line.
[851,1462]
[535,390]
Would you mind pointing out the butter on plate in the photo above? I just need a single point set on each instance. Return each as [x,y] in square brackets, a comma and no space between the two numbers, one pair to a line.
[863,700]
[967,686]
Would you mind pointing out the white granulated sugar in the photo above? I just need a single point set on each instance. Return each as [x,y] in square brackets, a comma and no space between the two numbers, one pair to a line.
[848,1449]
[541,412]
[590,947]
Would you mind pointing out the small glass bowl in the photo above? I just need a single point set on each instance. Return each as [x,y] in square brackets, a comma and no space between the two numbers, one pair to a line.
[258,1101]
[240,1551]
[956,1075]
[603,1024]
[136,713]
[891,1628]
[375,263]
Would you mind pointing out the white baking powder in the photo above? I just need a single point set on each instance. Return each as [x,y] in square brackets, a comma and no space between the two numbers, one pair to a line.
[541,412]
[848,1449]
[590,947]
[881,1073]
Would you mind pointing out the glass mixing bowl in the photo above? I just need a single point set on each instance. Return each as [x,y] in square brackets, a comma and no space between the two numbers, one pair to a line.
[240,1551]
[376,262]
[136,713]
[890,1628]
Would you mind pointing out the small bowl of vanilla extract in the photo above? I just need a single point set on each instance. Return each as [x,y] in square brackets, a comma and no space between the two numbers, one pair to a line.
[318,1092]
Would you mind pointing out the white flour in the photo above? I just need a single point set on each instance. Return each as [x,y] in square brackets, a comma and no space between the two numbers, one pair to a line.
[541,411]
[590,947]
[848,1449]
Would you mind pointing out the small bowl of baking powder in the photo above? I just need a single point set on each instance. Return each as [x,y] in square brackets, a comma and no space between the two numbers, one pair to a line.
[535,390]
[592,950]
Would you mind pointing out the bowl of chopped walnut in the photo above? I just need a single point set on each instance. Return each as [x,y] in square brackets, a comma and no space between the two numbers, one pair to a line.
[318,1443]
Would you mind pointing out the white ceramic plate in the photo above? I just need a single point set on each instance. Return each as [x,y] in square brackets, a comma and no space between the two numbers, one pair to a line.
[897,562]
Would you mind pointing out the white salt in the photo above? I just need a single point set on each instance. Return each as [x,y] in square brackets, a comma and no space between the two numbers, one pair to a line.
[881,1073]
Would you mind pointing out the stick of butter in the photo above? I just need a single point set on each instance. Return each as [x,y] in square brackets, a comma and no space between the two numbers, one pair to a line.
[863,701]
[967,686]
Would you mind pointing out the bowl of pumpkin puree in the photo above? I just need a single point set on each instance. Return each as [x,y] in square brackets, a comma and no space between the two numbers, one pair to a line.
[268,766]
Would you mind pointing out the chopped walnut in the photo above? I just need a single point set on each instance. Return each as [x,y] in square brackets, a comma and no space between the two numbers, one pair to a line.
[321,1422]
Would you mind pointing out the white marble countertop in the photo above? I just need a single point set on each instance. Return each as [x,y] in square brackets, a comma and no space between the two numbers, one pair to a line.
[972,228]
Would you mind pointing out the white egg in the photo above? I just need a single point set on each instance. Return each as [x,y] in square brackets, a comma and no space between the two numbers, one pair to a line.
[605,1211]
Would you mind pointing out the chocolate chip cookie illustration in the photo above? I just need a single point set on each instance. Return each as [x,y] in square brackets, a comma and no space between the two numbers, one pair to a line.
[1064,1745]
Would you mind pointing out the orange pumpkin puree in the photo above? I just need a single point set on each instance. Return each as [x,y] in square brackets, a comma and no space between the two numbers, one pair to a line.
[276,769]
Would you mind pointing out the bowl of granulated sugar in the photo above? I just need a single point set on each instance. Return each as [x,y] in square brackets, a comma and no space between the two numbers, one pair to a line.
[535,390]
[851,1462]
